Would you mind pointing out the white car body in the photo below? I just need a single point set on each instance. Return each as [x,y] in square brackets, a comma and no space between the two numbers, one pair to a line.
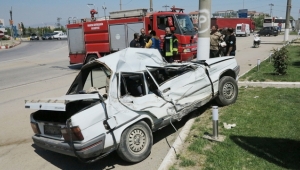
[139,89]
[242,30]
[60,35]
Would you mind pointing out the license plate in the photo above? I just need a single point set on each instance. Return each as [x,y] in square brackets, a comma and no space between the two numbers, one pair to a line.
[52,130]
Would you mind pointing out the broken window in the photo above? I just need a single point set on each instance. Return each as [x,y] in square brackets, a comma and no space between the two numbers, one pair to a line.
[132,84]
[163,74]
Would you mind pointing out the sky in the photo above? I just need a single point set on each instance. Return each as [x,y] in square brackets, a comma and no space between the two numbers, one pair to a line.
[36,13]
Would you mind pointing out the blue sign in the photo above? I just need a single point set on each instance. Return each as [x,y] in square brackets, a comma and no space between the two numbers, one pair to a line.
[243,13]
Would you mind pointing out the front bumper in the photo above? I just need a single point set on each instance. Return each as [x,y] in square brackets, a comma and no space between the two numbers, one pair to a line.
[89,149]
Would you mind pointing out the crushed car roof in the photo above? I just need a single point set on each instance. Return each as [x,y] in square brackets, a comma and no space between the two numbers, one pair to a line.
[132,59]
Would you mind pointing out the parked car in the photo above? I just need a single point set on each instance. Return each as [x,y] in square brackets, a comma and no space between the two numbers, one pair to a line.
[117,101]
[268,31]
[47,36]
[60,36]
[34,37]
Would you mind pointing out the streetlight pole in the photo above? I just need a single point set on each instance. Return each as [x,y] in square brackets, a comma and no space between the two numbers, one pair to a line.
[120,5]
[104,8]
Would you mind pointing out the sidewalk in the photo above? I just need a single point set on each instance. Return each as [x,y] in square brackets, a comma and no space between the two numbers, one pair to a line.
[6,44]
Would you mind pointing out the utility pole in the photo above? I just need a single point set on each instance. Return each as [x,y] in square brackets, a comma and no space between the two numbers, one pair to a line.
[151,5]
[271,12]
[120,5]
[104,8]
[58,22]
[287,20]
[166,6]
[204,30]
[11,24]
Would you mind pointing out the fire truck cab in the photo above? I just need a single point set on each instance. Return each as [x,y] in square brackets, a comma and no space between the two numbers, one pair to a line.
[90,39]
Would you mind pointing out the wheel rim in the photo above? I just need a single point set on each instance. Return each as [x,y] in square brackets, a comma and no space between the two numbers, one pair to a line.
[228,91]
[137,141]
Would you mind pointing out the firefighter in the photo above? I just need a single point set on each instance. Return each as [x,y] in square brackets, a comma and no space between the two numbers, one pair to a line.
[170,46]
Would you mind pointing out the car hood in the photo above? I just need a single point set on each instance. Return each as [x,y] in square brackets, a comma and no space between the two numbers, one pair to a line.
[59,103]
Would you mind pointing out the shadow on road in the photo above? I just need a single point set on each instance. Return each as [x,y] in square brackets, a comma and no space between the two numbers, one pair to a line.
[75,66]
[282,152]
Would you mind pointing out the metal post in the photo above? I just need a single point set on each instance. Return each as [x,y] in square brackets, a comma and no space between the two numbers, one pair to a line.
[215,121]
[258,64]
[203,45]
[11,25]
[287,20]
[271,12]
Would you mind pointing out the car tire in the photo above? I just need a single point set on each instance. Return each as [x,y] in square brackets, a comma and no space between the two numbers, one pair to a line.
[136,143]
[228,91]
[90,58]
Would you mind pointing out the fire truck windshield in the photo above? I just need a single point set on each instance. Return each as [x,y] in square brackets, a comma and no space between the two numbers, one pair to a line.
[185,23]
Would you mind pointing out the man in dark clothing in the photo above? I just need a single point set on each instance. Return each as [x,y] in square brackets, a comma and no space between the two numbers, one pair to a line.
[143,37]
[135,42]
[170,46]
[230,43]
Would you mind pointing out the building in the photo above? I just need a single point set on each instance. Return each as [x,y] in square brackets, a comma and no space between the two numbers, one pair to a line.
[2,23]
[194,16]
[225,14]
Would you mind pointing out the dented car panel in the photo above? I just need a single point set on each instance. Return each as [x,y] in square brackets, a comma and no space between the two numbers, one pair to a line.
[121,96]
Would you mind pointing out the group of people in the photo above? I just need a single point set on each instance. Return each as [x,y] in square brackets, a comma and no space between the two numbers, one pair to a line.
[222,42]
[170,43]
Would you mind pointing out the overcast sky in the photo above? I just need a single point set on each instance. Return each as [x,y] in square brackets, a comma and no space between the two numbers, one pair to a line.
[36,13]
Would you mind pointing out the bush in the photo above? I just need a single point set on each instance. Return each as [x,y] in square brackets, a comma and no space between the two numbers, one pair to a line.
[280,60]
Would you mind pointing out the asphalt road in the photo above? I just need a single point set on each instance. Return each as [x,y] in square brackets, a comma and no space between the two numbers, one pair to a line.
[41,69]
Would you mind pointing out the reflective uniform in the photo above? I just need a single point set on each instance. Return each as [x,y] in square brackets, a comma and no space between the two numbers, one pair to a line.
[170,47]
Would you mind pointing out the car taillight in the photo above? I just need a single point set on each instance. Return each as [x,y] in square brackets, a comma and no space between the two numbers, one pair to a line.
[35,128]
[75,132]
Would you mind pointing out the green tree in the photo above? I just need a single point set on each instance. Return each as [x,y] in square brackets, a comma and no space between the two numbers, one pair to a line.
[8,31]
[23,28]
[259,21]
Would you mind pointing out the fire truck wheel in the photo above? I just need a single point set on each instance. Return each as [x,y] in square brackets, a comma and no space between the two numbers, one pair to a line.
[136,142]
[91,58]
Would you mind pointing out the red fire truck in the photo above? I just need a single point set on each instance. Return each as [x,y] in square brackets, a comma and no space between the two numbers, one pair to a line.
[231,22]
[89,39]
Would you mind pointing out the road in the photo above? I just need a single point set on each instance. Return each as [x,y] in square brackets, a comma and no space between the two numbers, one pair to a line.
[41,69]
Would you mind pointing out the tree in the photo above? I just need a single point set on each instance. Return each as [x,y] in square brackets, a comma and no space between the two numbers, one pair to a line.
[8,31]
[259,21]
[291,18]
[23,28]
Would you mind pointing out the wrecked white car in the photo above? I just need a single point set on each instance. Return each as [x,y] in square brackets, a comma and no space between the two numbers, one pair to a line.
[116,102]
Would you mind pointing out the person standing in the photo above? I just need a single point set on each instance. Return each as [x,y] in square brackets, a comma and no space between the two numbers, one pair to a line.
[155,41]
[279,27]
[215,39]
[230,43]
[143,37]
[170,46]
[135,42]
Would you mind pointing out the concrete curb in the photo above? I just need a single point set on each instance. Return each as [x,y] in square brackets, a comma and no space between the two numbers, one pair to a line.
[10,46]
[177,146]
[270,84]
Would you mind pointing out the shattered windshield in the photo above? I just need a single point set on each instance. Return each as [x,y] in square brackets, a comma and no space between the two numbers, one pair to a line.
[96,77]
[185,23]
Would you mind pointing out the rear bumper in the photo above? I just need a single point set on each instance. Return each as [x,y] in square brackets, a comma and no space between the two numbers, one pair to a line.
[85,150]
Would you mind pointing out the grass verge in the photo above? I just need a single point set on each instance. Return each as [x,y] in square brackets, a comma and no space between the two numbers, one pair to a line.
[266,71]
[266,135]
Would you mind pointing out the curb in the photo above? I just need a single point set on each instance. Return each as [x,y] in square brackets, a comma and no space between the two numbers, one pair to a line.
[177,146]
[11,46]
[270,84]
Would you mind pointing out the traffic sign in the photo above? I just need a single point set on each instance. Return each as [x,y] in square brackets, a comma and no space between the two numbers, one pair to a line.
[1,34]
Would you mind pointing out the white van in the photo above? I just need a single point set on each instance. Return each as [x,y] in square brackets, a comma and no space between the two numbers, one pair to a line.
[242,30]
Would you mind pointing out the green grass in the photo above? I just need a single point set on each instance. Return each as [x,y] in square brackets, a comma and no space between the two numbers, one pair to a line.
[267,135]
[267,73]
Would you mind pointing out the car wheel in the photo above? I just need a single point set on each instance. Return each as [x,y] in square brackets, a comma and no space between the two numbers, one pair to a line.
[228,91]
[136,143]
[90,58]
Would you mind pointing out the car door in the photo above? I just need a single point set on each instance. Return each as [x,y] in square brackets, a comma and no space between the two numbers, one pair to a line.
[183,84]
[133,93]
